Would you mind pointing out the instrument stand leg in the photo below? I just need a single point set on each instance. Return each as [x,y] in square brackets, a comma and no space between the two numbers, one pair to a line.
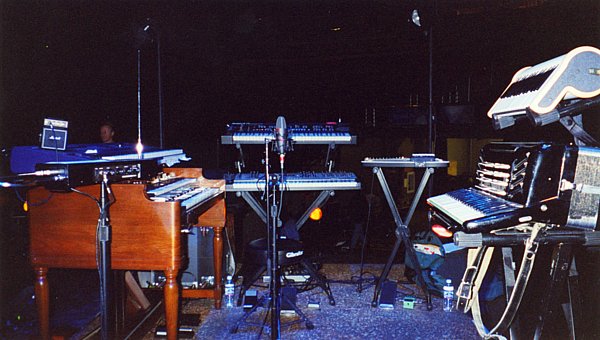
[320,280]
[509,285]
[575,317]
[328,161]
[385,272]
[402,236]
[260,303]
[320,201]
[410,251]
[561,260]
[303,318]
[240,164]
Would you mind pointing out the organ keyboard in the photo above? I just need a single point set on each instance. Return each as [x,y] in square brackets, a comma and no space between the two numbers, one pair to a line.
[536,91]
[533,182]
[258,133]
[190,192]
[300,181]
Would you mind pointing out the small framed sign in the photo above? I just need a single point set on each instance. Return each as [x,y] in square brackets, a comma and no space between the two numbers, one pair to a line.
[54,134]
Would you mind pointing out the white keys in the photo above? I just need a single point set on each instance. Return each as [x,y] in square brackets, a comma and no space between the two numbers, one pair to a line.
[454,208]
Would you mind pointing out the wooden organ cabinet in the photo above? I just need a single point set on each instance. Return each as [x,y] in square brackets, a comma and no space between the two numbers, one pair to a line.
[146,235]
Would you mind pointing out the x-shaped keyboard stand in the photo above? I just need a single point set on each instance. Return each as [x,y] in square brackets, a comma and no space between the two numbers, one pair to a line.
[402,231]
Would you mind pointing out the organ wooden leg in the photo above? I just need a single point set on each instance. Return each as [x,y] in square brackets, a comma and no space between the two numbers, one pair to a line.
[42,299]
[218,263]
[215,217]
[171,292]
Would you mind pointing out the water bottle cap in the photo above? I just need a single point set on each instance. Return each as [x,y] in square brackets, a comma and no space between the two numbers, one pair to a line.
[448,280]
[229,277]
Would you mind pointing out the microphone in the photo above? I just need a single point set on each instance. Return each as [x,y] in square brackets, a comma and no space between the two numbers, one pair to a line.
[281,139]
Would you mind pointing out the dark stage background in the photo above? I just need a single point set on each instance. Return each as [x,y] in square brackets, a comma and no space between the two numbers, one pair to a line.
[310,61]
[254,60]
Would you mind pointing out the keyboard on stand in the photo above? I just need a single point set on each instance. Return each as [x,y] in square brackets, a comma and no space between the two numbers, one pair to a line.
[428,162]
[531,182]
[470,204]
[298,181]
[536,91]
[415,161]
[258,133]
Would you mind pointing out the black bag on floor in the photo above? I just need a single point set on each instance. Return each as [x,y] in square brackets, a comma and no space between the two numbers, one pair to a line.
[430,254]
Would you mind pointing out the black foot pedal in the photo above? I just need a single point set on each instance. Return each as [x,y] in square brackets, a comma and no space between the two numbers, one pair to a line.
[288,300]
[250,299]
[387,300]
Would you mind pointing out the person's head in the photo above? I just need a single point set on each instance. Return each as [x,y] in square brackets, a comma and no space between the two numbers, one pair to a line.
[106,133]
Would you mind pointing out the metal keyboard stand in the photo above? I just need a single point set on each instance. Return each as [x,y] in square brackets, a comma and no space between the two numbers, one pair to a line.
[402,231]
[320,201]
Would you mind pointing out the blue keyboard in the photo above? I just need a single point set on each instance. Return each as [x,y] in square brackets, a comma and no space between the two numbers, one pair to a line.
[293,181]
[469,204]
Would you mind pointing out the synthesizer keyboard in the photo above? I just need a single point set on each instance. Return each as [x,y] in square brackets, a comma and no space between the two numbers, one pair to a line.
[469,204]
[547,183]
[258,133]
[536,91]
[24,158]
[416,161]
[300,181]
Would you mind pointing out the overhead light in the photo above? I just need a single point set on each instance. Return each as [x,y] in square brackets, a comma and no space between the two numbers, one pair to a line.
[415,17]
[336,29]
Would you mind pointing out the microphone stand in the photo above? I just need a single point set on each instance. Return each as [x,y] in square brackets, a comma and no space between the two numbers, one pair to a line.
[105,261]
[272,263]
[273,267]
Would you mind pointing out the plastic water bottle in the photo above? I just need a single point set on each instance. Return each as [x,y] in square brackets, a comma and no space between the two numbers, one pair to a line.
[229,291]
[448,295]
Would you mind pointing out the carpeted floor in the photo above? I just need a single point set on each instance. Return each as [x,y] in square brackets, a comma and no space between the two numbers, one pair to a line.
[352,317]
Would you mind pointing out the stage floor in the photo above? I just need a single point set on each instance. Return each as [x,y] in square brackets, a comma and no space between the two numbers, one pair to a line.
[352,317]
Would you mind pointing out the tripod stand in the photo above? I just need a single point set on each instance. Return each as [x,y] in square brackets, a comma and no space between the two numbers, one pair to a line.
[274,299]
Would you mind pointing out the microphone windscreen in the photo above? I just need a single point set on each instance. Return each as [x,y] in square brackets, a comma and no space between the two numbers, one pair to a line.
[280,124]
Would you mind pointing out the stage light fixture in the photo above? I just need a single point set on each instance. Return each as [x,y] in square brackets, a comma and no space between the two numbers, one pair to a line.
[416,19]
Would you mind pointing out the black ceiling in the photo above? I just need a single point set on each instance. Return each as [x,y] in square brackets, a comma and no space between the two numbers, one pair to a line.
[252,60]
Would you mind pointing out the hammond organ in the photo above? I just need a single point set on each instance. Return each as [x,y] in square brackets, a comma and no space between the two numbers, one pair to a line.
[525,182]
[147,218]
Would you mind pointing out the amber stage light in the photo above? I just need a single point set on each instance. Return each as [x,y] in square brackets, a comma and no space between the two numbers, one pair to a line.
[316,214]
